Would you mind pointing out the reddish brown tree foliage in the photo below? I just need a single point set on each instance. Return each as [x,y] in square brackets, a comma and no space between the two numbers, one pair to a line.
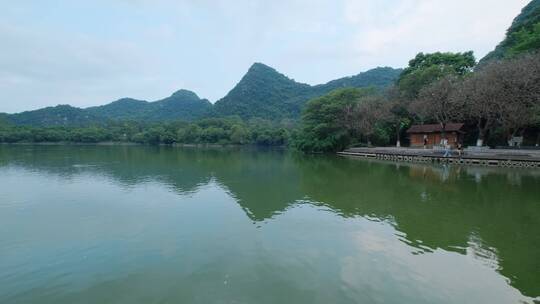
[436,102]
[503,93]
[362,117]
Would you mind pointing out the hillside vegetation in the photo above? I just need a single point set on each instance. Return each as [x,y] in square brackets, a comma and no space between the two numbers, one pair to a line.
[265,93]
[498,100]
[182,105]
[262,93]
[522,36]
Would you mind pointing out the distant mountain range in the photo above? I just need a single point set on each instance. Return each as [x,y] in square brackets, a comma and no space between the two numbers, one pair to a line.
[262,92]
[523,35]
[183,104]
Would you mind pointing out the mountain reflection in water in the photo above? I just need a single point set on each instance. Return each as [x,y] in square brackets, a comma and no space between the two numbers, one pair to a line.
[490,215]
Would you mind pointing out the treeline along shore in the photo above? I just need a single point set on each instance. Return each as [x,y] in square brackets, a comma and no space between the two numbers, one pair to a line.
[219,131]
[497,99]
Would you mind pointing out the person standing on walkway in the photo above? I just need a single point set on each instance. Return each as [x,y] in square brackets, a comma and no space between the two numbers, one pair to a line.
[425,141]
[446,148]
[460,148]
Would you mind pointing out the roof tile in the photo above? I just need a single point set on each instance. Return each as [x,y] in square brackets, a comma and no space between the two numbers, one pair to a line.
[435,128]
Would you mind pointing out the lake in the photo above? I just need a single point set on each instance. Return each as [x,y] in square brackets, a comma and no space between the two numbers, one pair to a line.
[135,224]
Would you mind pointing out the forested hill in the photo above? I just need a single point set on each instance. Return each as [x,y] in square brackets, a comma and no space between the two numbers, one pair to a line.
[522,36]
[182,105]
[264,92]
[60,115]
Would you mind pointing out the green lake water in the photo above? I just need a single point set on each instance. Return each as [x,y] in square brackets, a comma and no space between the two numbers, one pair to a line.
[133,224]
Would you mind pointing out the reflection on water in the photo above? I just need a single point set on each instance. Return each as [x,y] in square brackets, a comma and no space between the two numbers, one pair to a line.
[83,224]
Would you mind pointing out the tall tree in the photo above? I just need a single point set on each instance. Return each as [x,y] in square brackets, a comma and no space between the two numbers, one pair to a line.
[436,102]
[370,112]
[504,93]
[398,112]
[326,123]
[425,69]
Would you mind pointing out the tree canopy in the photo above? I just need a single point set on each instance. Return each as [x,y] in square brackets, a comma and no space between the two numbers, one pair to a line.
[425,69]
[323,127]
[222,131]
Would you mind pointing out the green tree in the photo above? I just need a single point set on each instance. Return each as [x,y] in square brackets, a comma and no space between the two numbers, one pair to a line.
[214,134]
[189,135]
[323,127]
[239,134]
[425,69]
[88,135]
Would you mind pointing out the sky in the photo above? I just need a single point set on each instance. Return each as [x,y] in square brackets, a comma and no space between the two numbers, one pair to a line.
[87,53]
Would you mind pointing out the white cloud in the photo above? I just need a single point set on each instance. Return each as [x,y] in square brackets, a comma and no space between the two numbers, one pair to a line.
[390,31]
[39,69]
[89,53]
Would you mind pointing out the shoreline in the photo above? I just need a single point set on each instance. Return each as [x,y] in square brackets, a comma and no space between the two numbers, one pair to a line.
[121,143]
[68,143]
[492,158]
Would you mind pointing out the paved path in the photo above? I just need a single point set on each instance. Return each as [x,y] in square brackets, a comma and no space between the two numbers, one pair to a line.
[470,153]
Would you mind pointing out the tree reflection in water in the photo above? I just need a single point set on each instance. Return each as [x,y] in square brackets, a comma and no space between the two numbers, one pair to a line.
[489,214]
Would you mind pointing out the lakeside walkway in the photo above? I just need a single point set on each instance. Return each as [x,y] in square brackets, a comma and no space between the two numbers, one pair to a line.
[471,156]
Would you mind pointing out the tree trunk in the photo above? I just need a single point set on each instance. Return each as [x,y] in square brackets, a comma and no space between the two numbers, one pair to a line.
[443,132]
[479,142]
[509,136]
[481,138]
[398,132]
[481,133]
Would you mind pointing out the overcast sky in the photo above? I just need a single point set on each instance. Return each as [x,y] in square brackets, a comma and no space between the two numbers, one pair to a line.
[88,53]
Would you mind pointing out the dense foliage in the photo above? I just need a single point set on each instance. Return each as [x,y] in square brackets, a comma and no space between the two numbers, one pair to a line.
[502,98]
[522,36]
[206,131]
[265,93]
[497,102]
[425,69]
[61,115]
[525,40]
[327,124]
[182,105]
[349,116]
[262,92]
